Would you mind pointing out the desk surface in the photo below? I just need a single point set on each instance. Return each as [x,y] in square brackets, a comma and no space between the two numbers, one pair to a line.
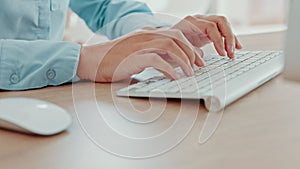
[260,130]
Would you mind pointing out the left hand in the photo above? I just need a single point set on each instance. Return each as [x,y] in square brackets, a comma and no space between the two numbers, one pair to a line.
[201,30]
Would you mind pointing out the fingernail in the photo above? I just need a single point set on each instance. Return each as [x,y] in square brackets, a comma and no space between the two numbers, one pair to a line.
[230,50]
[192,71]
[224,52]
[202,62]
[193,67]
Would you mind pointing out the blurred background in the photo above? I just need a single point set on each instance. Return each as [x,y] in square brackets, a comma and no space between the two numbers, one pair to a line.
[246,16]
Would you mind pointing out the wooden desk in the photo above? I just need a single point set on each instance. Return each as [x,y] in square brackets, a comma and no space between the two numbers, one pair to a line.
[260,130]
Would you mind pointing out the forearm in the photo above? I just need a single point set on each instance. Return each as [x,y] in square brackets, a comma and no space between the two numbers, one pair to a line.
[35,64]
[131,23]
[115,18]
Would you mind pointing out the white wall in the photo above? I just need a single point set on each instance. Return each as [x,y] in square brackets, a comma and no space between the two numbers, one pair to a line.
[253,12]
[240,12]
[179,8]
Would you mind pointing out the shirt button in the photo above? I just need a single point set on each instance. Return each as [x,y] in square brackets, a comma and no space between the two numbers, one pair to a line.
[51,74]
[14,78]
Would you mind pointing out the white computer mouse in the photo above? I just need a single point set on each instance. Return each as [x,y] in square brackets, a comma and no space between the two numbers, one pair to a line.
[33,116]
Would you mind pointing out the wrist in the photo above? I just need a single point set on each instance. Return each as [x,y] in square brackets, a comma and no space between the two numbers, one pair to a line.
[89,60]
[81,70]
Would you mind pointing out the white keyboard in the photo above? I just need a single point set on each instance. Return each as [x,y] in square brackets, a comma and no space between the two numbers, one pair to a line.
[219,83]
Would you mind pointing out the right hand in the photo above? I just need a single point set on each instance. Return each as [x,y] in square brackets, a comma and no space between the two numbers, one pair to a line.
[116,60]
[201,30]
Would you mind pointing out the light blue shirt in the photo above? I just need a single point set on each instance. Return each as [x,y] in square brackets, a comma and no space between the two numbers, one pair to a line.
[32,53]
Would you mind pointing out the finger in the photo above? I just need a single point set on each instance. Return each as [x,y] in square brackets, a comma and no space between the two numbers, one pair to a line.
[172,51]
[167,55]
[226,32]
[181,41]
[215,36]
[139,61]
[238,43]
[199,59]
[186,68]
[155,61]
[223,24]
[211,30]
[187,49]
[230,46]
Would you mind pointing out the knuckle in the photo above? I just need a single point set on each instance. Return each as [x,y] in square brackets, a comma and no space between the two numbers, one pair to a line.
[211,25]
[167,43]
[177,33]
[173,31]
[222,19]
[231,37]
[189,17]
[154,58]
[198,16]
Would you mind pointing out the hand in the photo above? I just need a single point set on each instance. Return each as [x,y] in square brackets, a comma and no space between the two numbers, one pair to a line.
[116,60]
[201,30]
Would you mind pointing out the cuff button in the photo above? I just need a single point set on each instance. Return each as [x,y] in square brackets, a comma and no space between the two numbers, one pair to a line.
[14,78]
[51,74]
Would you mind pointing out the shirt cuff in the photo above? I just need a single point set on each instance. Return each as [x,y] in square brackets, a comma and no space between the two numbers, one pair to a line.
[46,63]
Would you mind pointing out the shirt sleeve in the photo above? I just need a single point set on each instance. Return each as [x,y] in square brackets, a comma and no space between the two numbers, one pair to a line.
[115,18]
[36,64]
